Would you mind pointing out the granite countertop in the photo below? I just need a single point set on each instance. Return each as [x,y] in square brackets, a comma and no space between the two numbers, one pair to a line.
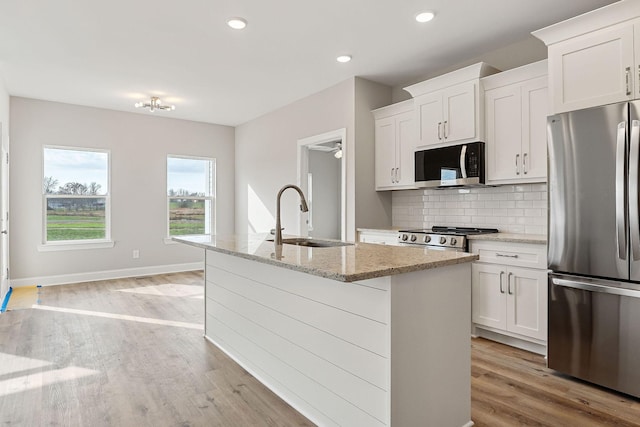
[511,237]
[359,261]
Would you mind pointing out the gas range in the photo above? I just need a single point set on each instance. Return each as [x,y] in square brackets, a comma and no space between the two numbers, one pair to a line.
[441,237]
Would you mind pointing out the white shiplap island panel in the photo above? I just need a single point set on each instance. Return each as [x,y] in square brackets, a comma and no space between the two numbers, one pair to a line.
[390,350]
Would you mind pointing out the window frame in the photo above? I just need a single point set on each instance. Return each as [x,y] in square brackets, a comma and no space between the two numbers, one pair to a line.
[56,245]
[212,197]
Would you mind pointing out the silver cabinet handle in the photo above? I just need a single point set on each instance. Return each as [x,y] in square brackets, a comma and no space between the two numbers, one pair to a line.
[506,256]
[501,288]
[444,128]
[439,136]
[627,72]
[509,283]
[621,217]
[397,175]
[524,163]
[517,167]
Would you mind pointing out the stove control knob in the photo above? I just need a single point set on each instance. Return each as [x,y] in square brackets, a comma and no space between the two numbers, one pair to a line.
[453,241]
[427,239]
[443,240]
[405,237]
[414,237]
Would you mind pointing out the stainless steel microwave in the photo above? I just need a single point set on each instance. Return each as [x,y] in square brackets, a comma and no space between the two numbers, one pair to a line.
[454,166]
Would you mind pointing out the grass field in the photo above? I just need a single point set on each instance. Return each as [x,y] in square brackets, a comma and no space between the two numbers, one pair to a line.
[75,227]
[72,225]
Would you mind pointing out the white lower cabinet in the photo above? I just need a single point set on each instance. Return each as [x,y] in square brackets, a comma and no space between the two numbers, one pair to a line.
[381,237]
[507,298]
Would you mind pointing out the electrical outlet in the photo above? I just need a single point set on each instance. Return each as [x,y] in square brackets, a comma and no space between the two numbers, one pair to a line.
[136,254]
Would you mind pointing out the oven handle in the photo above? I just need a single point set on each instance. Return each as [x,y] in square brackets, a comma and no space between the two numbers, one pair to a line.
[596,288]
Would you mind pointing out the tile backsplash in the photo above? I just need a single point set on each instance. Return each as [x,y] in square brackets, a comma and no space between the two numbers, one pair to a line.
[509,208]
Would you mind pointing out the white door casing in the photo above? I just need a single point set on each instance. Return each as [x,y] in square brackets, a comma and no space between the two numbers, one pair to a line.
[303,170]
[4,214]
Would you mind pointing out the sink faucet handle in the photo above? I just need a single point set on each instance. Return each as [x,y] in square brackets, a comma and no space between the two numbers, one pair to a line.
[273,231]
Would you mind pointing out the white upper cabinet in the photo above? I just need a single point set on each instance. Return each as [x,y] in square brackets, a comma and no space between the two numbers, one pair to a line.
[448,108]
[595,69]
[394,146]
[448,115]
[594,59]
[516,109]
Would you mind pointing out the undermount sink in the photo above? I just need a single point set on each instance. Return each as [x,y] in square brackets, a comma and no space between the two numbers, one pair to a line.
[312,243]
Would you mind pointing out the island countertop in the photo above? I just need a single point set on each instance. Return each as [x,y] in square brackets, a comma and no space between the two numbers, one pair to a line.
[359,261]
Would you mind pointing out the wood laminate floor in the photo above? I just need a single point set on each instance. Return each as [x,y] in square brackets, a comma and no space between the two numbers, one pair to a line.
[130,352]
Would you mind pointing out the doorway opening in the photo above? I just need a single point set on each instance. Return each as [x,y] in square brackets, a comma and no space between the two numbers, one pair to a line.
[322,176]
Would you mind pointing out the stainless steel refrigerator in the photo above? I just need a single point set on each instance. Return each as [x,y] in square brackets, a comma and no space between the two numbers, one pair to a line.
[594,245]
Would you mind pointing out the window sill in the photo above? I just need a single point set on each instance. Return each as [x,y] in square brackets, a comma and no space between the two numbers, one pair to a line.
[75,246]
[169,241]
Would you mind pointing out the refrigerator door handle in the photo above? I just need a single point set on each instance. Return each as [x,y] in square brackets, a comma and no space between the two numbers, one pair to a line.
[634,202]
[621,217]
[593,287]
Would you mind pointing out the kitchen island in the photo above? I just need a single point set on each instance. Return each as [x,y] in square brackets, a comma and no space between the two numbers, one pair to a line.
[356,335]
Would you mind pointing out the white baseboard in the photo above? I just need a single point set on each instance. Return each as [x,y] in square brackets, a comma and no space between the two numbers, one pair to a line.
[538,348]
[93,276]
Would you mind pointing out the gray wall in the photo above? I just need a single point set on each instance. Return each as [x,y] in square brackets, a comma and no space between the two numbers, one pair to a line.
[139,145]
[514,55]
[266,150]
[326,171]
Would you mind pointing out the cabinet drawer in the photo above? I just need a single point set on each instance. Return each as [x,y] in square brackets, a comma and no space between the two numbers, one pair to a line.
[507,253]
[379,237]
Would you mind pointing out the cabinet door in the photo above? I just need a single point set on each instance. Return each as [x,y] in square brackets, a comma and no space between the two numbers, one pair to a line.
[527,302]
[592,69]
[488,295]
[504,132]
[535,108]
[429,122]
[385,152]
[405,148]
[459,104]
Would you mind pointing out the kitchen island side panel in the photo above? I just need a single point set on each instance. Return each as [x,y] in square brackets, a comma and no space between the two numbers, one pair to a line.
[431,347]
[321,345]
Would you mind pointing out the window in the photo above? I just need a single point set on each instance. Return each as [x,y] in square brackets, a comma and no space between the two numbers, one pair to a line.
[190,195]
[76,195]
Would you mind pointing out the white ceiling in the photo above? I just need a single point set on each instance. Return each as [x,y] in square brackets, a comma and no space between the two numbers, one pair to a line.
[110,54]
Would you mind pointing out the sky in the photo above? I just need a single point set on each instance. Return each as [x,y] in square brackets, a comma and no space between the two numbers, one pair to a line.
[92,166]
[84,167]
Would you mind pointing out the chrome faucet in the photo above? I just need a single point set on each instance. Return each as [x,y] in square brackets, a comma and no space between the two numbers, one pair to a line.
[303,207]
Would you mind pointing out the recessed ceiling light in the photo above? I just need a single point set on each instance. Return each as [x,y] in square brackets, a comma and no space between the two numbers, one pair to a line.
[343,58]
[425,16]
[237,23]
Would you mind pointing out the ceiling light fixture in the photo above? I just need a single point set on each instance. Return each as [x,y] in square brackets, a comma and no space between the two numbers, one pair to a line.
[343,58]
[154,104]
[425,16]
[337,149]
[237,23]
